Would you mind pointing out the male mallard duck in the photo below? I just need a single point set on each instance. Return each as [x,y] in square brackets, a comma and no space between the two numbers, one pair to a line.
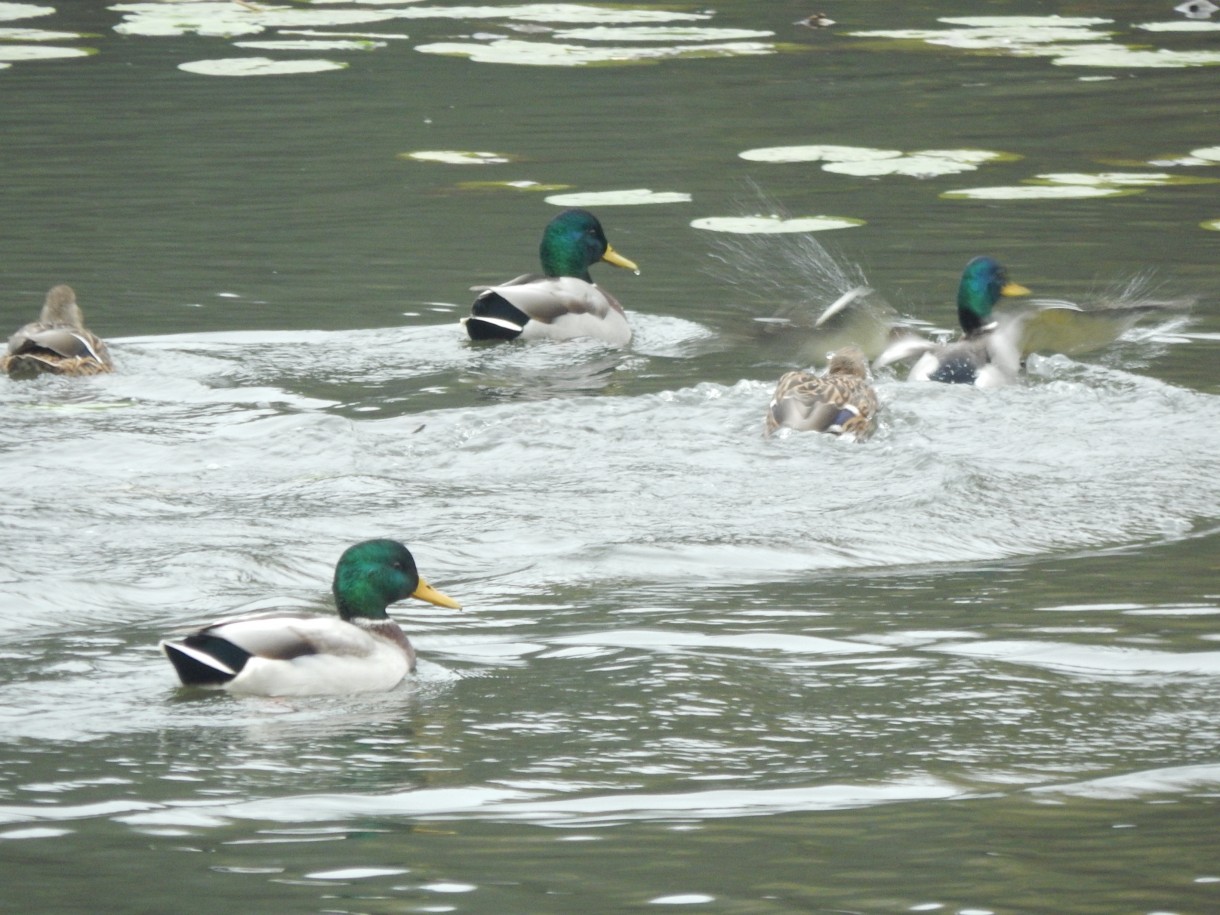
[300,654]
[841,401]
[564,302]
[984,355]
[994,344]
[57,343]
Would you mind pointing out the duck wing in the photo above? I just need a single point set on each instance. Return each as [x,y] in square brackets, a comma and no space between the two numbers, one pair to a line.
[56,349]
[1054,326]
[283,636]
[904,348]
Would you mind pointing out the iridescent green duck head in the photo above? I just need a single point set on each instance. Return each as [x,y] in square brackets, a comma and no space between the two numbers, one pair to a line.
[572,242]
[983,282]
[374,574]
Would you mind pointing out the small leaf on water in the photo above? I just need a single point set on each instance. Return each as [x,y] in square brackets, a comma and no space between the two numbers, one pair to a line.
[457,157]
[633,197]
[759,225]
[258,66]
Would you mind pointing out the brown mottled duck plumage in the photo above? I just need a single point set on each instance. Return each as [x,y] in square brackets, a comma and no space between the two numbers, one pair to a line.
[840,402]
[58,343]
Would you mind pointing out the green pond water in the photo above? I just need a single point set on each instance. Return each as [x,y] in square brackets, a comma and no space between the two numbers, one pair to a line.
[971,667]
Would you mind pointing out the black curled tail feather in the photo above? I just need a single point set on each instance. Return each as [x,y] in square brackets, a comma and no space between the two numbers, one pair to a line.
[493,317]
[205,660]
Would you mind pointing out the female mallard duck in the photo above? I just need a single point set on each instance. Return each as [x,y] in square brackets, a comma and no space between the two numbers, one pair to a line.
[841,401]
[564,302]
[986,354]
[301,654]
[57,343]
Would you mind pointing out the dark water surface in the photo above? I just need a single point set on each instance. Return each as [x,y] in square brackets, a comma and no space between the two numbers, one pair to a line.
[970,667]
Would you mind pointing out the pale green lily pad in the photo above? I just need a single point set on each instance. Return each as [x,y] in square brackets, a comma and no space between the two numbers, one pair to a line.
[764,225]
[226,19]
[1016,39]
[1120,56]
[1208,153]
[1121,179]
[1037,192]
[864,161]
[39,52]
[996,33]
[1025,22]
[457,157]
[633,197]
[819,153]
[372,36]
[511,185]
[927,163]
[1212,225]
[258,66]
[912,166]
[10,11]
[37,35]
[971,156]
[311,44]
[1170,162]
[1070,42]
[660,33]
[552,12]
[1183,25]
[548,54]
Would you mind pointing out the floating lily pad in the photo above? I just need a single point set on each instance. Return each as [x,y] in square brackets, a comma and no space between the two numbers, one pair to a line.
[549,54]
[1025,22]
[633,197]
[1121,56]
[1208,153]
[1009,34]
[37,35]
[927,163]
[1174,161]
[1037,192]
[760,225]
[552,12]
[9,11]
[39,52]
[258,66]
[660,33]
[913,166]
[1069,41]
[225,19]
[311,44]
[1122,179]
[862,160]
[972,156]
[457,157]
[1184,25]
[1211,224]
[511,185]
[314,33]
[820,153]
